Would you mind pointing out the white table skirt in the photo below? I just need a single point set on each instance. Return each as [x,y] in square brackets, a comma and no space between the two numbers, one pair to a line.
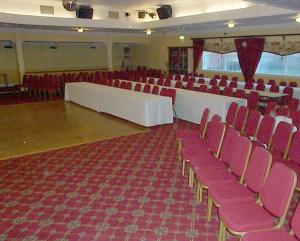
[144,109]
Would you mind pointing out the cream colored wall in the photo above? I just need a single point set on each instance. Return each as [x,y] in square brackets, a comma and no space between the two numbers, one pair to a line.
[118,54]
[8,65]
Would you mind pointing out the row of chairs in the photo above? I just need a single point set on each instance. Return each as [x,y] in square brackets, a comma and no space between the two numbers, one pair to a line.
[235,173]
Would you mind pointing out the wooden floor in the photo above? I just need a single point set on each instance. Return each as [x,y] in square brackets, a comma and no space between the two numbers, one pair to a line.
[36,127]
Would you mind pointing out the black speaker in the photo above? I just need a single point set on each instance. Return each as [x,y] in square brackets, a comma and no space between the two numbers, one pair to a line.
[84,12]
[164,12]
[141,14]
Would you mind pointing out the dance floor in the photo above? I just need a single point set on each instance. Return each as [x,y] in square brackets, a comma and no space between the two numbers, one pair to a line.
[126,188]
[34,127]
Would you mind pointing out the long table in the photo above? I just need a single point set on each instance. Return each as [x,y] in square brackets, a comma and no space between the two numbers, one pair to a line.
[144,109]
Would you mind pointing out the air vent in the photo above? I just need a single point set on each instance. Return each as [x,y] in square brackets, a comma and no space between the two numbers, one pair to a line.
[114,15]
[47,9]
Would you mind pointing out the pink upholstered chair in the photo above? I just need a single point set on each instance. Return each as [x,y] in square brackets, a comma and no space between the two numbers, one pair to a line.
[203,88]
[177,77]
[260,87]
[137,87]
[155,90]
[271,107]
[282,83]
[274,88]
[178,84]
[265,131]
[281,140]
[163,91]
[151,81]
[223,82]
[167,83]
[186,78]
[117,83]
[213,82]
[278,234]
[296,118]
[144,79]
[228,91]
[248,86]
[147,88]
[231,114]
[201,81]
[252,124]
[123,85]
[272,82]
[234,78]
[192,79]
[252,100]
[216,76]
[241,150]
[240,217]
[215,89]
[260,81]
[160,81]
[224,192]
[240,93]
[293,84]
[128,85]
[241,117]
[293,104]
[282,111]
[233,84]
[286,99]
[190,86]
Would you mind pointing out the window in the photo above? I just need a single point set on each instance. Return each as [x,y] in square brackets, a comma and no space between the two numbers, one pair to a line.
[269,63]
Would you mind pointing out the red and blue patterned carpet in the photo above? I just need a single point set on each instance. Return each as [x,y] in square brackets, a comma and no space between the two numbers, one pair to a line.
[128,188]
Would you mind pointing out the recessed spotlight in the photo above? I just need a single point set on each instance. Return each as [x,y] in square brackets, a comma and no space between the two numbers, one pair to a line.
[80,30]
[181,37]
[230,25]
[148,31]
[298,20]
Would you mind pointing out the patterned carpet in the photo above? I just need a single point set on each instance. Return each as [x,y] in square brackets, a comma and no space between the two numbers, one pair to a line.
[128,188]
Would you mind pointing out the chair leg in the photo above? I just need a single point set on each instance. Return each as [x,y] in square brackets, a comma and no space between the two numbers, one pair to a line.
[209,208]
[199,192]
[183,167]
[191,177]
[222,232]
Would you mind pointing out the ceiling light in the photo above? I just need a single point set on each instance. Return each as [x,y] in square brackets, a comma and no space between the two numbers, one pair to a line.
[80,30]
[298,20]
[230,25]
[181,37]
[148,31]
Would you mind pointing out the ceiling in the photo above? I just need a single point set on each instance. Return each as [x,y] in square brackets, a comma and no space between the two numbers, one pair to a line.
[188,15]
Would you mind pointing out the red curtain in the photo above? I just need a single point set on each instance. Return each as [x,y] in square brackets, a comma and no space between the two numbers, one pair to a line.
[249,52]
[198,46]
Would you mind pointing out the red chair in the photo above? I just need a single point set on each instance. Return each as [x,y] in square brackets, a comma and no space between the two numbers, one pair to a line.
[128,85]
[293,105]
[282,83]
[274,88]
[143,80]
[233,84]
[117,83]
[147,88]
[223,82]
[178,84]
[278,234]
[282,111]
[160,81]
[240,217]
[260,81]
[213,82]
[201,81]
[296,118]
[252,124]
[271,107]
[167,83]
[151,81]
[172,93]
[185,78]
[224,192]
[177,77]
[190,86]
[137,87]
[122,85]
[240,120]
[260,87]
[281,140]
[272,82]
[234,79]
[248,86]
[228,91]
[214,90]
[110,82]
[217,76]
[201,75]
[293,84]
[287,98]
[163,91]
[252,100]
[192,79]
[155,90]
[265,131]
[231,113]
[224,77]
[203,88]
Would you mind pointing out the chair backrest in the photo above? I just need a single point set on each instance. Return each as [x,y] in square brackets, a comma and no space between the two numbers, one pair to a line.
[260,86]
[293,84]
[213,82]
[287,98]
[230,117]
[265,130]
[144,79]
[252,123]
[282,138]
[241,117]
[283,111]
[278,190]
[224,77]
[228,91]
[123,85]
[167,83]
[260,81]
[177,77]
[214,90]
[172,93]
[190,86]
[293,104]
[215,136]
[271,107]
[137,87]
[252,100]
[240,93]
[178,84]
[231,137]
[295,115]
[192,79]
[110,82]
[185,78]
[216,76]
[155,90]
[248,86]
[258,168]
[201,81]
[233,84]
[274,88]
[147,88]
[223,82]
[203,88]
[282,83]
[151,81]
[295,223]
[294,152]
[203,122]
[128,85]
[215,118]
[240,156]
[116,83]
[234,78]
[160,81]
[272,82]
[163,91]
[288,90]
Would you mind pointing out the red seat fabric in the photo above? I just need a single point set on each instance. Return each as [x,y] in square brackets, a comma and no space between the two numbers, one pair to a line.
[116,83]
[234,78]
[287,98]
[260,81]
[241,118]
[123,85]
[138,87]
[167,83]
[260,87]
[272,82]
[282,83]
[283,111]
[147,88]
[160,81]
[155,90]
[271,107]
[252,123]
[203,88]
[216,76]
[223,82]
[231,113]
[128,85]
[233,84]
[265,131]
[214,90]
[178,84]
[201,81]
[213,82]
[293,104]
[252,100]
[228,91]
[293,84]
[274,88]
[272,235]
[248,85]
[172,93]
[240,94]
[151,81]
[163,91]
[190,86]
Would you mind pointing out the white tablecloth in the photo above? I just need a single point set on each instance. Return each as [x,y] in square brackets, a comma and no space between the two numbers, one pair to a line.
[140,108]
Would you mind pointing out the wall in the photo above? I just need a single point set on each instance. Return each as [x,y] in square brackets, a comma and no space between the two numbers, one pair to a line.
[8,64]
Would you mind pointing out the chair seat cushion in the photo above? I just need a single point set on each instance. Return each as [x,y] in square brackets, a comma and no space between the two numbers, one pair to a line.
[245,216]
[210,162]
[296,167]
[190,155]
[229,191]
[272,235]
[208,176]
